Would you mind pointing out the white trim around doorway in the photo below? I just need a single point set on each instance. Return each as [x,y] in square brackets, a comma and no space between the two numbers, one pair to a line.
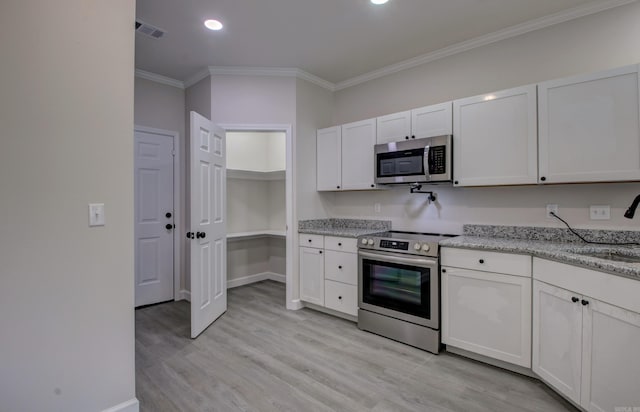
[290,196]
[177,210]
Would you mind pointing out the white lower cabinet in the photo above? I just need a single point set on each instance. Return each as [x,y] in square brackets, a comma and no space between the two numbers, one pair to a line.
[610,360]
[557,338]
[486,312]
[585,348]
[329,276]
[312,275]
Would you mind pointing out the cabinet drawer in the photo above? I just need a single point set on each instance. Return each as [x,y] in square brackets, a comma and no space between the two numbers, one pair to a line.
[341,297]
[519,265]
[341,244]
[341,267]
[306,240]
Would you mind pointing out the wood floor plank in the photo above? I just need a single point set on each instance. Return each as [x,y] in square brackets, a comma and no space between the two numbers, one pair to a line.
[260,357]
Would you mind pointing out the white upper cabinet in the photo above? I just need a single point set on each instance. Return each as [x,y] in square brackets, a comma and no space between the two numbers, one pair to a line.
[393,127]
[495,138]
[329,158]
[434,120]
[358,140]
[589,127]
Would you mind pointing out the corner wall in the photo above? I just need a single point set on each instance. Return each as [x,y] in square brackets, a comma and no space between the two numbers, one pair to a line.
[66,290]
[600,41]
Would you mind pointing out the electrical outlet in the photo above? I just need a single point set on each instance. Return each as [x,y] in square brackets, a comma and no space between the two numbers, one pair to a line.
[376,207]
[602,212]
[551,208]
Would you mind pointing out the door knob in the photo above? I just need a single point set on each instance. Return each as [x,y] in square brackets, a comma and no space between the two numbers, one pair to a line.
[168,226]
[190,235]
[168,215]
[201,235]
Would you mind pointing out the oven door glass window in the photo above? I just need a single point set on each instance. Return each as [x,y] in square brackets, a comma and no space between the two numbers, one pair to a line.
[403,288]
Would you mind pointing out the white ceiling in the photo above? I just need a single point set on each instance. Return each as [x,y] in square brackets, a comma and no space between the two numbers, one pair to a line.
[336,40]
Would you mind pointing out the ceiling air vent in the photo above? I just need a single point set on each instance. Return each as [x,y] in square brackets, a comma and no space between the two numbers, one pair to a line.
[149,30]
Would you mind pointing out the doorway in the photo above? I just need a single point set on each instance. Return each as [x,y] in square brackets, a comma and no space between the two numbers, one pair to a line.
[156,223]
[260,205]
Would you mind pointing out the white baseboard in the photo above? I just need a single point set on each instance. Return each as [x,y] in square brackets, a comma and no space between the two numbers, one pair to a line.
[295,305]
[245,280]
[131,405]
[258,277]
[185,295]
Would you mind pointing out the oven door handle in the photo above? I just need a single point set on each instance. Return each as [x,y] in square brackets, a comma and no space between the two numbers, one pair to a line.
[397,259]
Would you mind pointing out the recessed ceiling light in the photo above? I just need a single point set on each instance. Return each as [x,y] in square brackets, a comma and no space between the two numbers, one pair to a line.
[379,1]
[213,25]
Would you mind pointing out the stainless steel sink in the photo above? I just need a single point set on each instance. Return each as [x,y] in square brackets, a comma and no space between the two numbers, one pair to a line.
[613,256]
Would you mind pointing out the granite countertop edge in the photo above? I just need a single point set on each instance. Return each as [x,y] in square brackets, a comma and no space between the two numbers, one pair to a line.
[341,232]
[568,253]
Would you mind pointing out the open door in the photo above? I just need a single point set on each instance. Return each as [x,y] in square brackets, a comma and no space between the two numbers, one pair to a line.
[208,224]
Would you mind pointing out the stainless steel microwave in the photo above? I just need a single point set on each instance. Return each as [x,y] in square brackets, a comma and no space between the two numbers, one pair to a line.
[426,160]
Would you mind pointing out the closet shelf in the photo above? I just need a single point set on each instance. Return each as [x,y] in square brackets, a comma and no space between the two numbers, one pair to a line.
[254,175]
[257,233]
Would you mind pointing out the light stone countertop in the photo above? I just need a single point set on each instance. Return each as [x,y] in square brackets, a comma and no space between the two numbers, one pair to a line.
[343,227]
[572,253]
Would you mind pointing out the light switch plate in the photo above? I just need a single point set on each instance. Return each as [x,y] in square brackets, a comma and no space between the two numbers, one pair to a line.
[96,214]
[601,212]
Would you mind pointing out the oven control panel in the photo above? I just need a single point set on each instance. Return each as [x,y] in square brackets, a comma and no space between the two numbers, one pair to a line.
[393,244]
[420,247]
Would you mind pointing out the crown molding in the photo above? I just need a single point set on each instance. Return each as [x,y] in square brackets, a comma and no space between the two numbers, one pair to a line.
[158,78]
[199,75]
[513,31]
[262,71]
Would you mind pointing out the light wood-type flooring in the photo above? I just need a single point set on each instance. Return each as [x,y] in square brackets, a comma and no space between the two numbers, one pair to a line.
[261,357]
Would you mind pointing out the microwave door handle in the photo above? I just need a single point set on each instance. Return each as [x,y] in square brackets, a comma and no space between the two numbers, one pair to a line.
[426,162]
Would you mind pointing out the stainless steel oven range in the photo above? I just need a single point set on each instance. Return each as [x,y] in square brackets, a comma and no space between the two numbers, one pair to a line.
[399,287]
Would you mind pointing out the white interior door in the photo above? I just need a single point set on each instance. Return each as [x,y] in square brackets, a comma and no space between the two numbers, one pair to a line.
[208,224]
[154,218]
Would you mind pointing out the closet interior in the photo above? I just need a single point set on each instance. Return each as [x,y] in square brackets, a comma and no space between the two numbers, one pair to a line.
[256,207]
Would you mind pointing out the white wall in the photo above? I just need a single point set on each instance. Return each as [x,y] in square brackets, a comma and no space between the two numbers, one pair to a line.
[595,42]
[66,290]
[314,111]
[256,151]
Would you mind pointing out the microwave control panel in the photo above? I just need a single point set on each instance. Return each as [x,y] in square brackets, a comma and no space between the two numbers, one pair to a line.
[437,160]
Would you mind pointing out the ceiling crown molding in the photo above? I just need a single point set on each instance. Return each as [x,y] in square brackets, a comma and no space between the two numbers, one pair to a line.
[158,78]
[513,31]
[264,71]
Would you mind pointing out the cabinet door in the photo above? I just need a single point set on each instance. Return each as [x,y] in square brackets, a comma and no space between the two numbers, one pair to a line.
[312,275]
[495,138]
[358,140]
[557,338]
[434,120]
[589,127]
[610,362]
[328,159]
[393,127]
[488,314]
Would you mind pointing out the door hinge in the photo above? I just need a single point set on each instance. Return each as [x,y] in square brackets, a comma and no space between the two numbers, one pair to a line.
[173,153]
